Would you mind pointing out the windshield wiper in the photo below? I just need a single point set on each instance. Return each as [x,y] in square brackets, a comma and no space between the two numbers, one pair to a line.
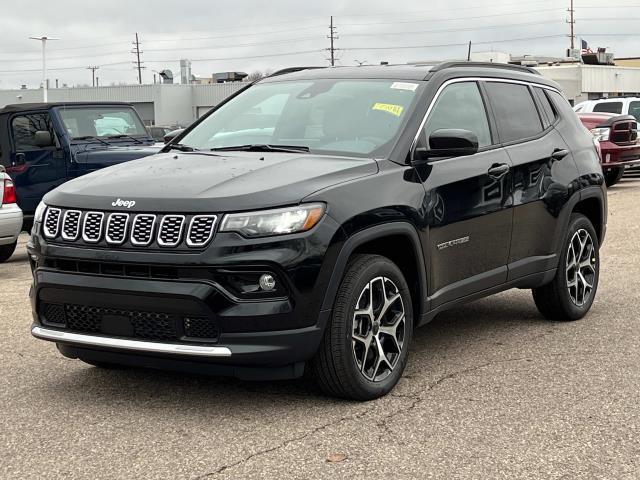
[91,137]
[123,135]
[179,146]
[264,148]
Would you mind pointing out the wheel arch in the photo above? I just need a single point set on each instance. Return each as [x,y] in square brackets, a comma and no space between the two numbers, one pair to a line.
[398,241]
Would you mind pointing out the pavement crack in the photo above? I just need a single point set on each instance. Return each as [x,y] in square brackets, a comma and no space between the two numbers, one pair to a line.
[285,443]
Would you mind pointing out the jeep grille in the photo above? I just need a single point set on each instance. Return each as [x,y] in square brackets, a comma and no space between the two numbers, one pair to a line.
[126,230]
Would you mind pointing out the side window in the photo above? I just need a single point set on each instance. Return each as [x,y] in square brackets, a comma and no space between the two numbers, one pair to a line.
[549,115]
[634,109]
[516,113]
[24,128]
[609,107]
[460,106]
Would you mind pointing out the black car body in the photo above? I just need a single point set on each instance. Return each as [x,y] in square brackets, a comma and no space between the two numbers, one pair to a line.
[462,214]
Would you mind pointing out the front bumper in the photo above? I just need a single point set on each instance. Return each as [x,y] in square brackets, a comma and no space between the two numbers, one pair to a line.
[619,155]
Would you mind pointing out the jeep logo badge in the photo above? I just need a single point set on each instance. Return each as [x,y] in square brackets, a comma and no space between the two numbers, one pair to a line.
[123,203]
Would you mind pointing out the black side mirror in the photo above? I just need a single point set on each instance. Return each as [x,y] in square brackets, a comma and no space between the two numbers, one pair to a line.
[43,139]
[448,142]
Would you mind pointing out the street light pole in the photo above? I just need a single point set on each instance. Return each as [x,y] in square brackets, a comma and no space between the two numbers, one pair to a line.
[44,39]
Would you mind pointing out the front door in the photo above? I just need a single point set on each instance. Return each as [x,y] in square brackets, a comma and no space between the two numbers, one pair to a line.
[35,169]
[468,209]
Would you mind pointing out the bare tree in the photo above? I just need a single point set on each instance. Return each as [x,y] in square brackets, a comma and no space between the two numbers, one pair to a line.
[254,76]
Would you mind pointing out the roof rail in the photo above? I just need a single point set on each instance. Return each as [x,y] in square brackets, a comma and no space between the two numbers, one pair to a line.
[284,71]
[502,66]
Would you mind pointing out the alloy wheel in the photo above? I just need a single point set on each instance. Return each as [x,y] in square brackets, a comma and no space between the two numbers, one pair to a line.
[378,329]
[581,267]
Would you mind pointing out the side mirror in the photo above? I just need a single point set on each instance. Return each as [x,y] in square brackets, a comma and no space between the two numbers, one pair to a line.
[449,142]
[43,139]
[171,135]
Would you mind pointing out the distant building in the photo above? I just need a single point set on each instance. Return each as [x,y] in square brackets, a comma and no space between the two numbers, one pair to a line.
[159,104]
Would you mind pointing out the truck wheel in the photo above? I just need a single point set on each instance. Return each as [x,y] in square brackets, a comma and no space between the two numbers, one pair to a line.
[613,176]
[570,294]
[366,343]
[7,250]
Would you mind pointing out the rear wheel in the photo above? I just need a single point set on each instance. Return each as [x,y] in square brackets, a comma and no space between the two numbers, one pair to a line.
[7,250]
[570,294]
[366,344]
[613,176]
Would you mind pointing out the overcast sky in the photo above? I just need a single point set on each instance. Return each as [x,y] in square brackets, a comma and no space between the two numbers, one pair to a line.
[250,35]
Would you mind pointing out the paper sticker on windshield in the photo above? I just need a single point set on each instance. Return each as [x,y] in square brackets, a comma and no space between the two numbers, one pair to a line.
[389,108]
[404,86]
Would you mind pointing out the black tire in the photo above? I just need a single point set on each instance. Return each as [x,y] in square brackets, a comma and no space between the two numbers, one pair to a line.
[613,176]
[7,250]
[335,368]
[555,300]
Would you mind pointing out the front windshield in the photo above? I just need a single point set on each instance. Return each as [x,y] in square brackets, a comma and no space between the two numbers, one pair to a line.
[102,122]
[346,117]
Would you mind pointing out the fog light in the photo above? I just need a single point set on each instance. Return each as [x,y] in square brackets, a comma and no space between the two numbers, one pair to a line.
[267,282]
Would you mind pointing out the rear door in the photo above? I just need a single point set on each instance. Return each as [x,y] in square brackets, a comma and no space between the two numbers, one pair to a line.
[468,211]
[543,168]
[35,169]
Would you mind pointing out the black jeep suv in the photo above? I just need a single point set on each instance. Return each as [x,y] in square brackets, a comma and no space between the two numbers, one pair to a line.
[314,219]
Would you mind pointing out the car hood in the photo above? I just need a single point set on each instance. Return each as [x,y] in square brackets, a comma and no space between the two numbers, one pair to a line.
[115,154]
[208,182]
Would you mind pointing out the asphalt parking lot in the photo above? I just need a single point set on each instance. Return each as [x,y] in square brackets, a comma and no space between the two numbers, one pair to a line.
[491,391]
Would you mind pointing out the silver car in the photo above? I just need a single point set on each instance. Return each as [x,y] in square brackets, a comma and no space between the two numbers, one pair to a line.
[10,217]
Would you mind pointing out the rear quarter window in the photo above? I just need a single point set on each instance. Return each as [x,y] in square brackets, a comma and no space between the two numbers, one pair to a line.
[516,114]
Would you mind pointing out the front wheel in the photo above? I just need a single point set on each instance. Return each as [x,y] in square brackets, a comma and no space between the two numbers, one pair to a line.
[570,294]
[366,343]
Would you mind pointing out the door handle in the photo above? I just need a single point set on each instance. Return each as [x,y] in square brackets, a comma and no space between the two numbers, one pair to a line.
[559,153]
[498,170]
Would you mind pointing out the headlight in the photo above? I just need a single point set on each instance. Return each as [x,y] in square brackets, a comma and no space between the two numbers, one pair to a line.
[600,134]
[37,217]
[274,222]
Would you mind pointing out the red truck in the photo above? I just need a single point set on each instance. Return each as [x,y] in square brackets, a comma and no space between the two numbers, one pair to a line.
[618,137]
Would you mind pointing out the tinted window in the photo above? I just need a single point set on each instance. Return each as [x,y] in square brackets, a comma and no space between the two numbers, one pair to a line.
[610,107]
[25,127]
[634,109]
[515,111]
[549,116]
[460,106]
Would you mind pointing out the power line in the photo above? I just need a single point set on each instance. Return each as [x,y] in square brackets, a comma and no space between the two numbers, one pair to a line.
[487,42]
[451,18]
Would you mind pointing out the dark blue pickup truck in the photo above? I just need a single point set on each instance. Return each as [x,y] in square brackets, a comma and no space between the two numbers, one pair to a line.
[44,145]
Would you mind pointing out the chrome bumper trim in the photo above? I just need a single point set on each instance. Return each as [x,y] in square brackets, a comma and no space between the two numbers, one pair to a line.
[124,344]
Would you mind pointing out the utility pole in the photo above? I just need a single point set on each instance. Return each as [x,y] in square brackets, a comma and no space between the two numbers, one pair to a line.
[572,23]
[138,63]
[333,37]
[93,72]
[43,39]
[469,53]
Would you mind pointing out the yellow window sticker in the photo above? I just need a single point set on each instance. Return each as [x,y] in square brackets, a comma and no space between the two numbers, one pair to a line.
[390,108]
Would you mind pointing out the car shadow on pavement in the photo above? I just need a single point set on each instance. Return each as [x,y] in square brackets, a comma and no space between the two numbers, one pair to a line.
[497,320]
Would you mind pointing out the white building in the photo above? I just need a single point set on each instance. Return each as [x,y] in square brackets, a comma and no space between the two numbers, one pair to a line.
[158,104]
[586,82]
